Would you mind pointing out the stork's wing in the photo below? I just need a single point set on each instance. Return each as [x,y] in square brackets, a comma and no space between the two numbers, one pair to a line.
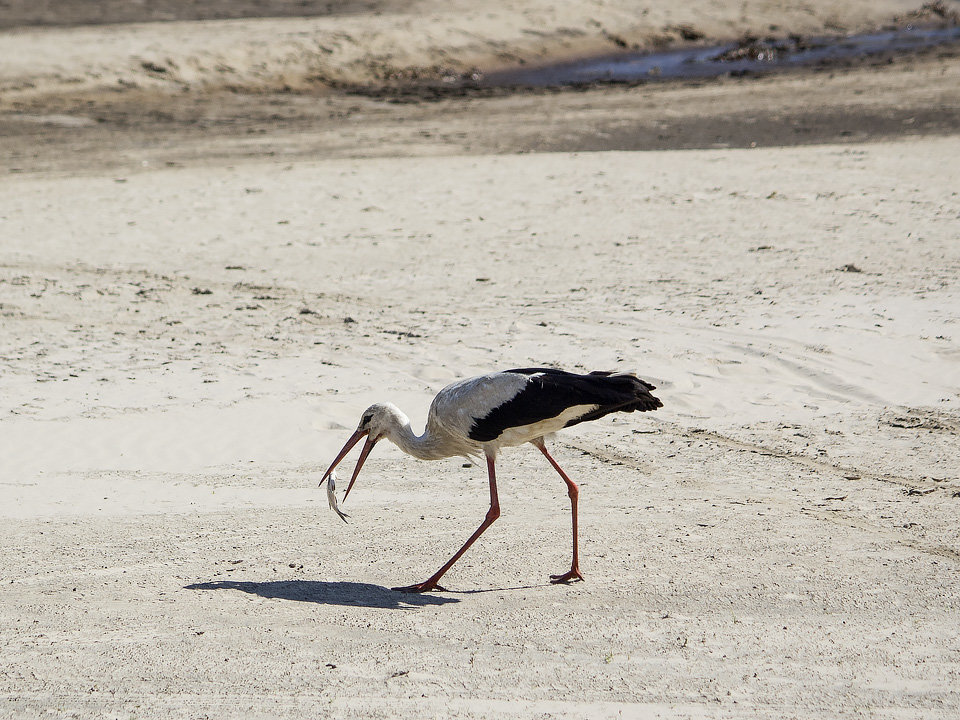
[549,393]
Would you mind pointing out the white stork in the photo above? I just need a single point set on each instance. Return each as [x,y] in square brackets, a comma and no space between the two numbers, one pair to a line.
[482,414]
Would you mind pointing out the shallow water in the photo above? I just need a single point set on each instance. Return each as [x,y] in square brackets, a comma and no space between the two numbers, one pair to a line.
[749,56]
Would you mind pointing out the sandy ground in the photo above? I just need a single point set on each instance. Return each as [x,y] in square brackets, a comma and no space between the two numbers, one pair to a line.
[192,320]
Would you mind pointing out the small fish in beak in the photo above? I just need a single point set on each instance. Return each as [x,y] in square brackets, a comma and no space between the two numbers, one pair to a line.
[331,473]
[332,495]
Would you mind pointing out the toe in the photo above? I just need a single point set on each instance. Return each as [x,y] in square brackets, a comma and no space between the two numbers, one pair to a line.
[566,578]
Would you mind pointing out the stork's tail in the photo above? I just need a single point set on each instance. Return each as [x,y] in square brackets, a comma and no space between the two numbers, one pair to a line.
[634,391]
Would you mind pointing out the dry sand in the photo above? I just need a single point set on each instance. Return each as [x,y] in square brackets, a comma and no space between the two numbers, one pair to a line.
[189,331]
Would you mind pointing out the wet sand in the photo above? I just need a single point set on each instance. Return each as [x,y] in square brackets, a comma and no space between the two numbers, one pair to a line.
[202,288]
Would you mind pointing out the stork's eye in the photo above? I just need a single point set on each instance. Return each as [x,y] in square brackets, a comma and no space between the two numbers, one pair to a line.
[366,419]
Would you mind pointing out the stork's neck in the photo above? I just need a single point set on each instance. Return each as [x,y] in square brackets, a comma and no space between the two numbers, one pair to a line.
[426,447]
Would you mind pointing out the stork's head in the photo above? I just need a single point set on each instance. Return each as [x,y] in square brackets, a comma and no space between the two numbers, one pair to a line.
[378,421]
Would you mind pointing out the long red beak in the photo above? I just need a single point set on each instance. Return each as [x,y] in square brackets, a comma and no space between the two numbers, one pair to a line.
[367,447]
[354,439]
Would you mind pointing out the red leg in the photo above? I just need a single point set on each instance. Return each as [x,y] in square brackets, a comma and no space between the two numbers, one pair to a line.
[574,492]
[492,514]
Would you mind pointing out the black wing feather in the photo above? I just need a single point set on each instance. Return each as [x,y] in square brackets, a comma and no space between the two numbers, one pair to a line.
[549,392]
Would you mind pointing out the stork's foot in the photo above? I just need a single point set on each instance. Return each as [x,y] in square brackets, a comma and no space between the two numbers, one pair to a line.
[567,577]
[422,587]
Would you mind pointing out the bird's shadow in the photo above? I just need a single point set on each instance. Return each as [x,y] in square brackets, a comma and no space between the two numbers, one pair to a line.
[329,593]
